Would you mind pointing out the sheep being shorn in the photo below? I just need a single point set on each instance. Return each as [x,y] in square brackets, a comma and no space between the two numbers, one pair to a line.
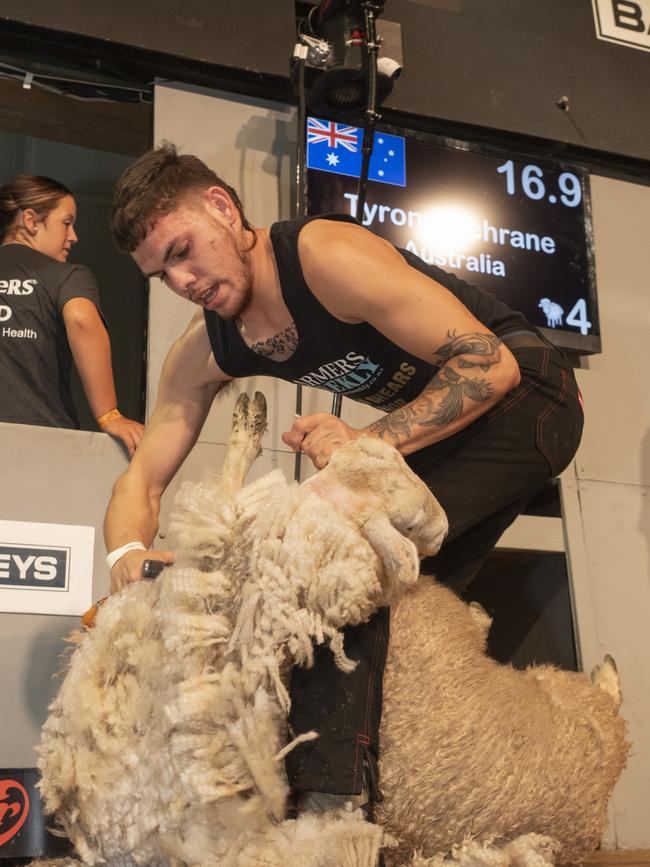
[165,743]
[166,739]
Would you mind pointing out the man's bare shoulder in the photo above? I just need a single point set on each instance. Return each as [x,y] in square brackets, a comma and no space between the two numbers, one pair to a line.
[191,355]
[332,244]
[322,233]
[343,263]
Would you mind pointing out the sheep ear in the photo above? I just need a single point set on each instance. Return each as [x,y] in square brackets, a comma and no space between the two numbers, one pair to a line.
[398,554]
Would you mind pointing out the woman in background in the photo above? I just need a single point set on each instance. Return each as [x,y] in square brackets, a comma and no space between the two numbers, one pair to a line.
[50,314]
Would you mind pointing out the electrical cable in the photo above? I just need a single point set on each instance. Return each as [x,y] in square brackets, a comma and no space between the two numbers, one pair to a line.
[40,79]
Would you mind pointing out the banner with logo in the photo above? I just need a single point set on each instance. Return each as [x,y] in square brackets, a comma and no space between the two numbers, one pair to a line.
[45,568]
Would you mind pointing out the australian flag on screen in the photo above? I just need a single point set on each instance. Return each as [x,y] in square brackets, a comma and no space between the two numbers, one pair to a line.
[335,147]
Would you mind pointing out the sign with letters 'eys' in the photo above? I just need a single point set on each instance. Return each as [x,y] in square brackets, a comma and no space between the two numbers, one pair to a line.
[45,568]
[626,22]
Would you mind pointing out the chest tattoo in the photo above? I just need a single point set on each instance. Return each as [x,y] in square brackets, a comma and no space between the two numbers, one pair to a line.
[279,346]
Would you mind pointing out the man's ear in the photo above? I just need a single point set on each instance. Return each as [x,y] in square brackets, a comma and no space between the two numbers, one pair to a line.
[219,199]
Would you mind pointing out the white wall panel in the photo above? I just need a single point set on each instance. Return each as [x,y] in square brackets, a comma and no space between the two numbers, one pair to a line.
[616,443]
[606,504]
[616,597]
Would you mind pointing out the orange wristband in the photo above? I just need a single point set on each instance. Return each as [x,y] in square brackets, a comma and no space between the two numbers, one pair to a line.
[108,417]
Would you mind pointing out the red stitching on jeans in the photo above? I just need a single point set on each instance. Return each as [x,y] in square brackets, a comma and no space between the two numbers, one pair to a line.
[516,398]
[364,739]
[542,418]
[373,674]
[355,769]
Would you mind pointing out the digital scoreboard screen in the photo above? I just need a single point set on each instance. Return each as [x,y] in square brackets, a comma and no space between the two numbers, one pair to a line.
[516,226]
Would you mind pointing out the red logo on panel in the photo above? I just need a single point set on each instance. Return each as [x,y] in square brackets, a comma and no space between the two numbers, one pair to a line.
[14,809]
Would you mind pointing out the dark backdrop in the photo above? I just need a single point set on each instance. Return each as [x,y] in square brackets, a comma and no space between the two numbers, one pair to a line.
[504,64]
[496,64]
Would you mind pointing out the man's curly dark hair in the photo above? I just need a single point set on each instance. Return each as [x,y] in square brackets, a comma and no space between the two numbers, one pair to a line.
[153,186]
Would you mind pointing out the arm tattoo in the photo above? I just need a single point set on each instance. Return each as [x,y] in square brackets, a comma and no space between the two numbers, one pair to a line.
[432,408]
[282,344]
[394,426]
[451,405]
[479,350]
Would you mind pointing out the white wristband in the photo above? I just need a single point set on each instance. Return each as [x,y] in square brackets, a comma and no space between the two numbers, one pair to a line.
[113,556]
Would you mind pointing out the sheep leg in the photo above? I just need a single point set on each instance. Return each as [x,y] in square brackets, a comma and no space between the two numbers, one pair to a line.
[244,445]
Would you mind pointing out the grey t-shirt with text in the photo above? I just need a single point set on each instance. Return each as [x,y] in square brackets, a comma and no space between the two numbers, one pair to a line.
[35,357]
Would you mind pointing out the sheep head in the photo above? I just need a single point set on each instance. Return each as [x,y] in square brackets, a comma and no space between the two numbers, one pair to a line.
[370,482]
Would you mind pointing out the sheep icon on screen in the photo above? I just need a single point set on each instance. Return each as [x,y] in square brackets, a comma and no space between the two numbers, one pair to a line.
[552,311]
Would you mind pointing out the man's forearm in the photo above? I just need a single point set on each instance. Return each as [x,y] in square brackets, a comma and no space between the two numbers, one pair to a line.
[132,516]
[475,373]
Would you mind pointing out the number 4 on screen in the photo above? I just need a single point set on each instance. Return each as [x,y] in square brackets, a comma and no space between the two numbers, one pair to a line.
[577,316]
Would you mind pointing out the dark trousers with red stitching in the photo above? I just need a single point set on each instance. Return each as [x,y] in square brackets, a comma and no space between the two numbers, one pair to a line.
[483,477]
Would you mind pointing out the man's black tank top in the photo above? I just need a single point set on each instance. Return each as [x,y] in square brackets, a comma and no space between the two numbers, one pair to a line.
[356,361]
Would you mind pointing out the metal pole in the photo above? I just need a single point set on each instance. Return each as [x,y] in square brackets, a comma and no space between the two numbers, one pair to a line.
[300,210]
[372,47]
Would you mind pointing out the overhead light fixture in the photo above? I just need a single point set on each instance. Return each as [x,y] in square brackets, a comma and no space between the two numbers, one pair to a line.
[336,51]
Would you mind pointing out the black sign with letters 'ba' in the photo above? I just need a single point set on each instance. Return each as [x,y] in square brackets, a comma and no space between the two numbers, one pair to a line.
[32,567]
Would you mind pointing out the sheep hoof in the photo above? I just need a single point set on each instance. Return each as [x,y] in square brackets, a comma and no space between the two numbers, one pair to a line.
[245,444]
[480,616]
[611,661]
[606,677]
[249,415]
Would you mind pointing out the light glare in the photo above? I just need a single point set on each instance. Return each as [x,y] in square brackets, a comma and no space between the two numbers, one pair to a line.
[449,229]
